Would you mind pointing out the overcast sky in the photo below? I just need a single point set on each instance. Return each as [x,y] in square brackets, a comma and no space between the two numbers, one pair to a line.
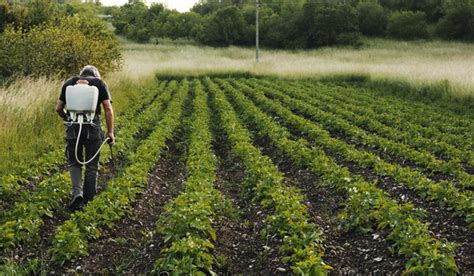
[180,5]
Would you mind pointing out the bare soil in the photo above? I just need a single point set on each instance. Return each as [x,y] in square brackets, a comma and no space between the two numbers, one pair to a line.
[133,246]
[349,252]
[240,246]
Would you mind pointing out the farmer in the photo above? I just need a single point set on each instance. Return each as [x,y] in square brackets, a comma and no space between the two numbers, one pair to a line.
[91,137]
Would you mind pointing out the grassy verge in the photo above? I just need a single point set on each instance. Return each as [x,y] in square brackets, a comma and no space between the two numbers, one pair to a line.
[29,126]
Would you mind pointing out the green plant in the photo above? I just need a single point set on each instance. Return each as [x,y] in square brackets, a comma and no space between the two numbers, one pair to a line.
[104,212]
[60,48]
[407,25]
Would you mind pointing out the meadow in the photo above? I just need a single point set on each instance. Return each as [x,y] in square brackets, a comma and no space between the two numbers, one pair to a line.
[275,167]
[418,62]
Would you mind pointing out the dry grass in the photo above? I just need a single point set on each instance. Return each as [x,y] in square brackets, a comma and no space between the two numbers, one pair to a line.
[418,62]
[23,99]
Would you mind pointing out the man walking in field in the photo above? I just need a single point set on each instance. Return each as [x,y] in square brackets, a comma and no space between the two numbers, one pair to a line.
[91,136]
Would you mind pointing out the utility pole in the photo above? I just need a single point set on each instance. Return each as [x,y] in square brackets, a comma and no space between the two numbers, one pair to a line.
[257,44]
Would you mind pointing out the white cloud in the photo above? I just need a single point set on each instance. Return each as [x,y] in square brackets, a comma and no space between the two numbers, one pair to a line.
[180,5]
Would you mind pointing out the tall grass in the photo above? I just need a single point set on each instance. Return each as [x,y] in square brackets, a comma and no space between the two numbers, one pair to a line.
[29,126]
[416,62]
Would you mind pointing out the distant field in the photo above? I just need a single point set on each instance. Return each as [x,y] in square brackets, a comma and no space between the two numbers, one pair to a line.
[418,62]
[256,175]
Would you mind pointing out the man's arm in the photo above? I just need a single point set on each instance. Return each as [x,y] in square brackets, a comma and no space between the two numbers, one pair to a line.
[60,109]
[109,118]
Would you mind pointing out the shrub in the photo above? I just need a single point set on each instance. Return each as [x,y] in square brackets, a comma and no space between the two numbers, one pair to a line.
[372,19]
[407,25]
[458,23]
[226,27]
[330,24]
[60,48]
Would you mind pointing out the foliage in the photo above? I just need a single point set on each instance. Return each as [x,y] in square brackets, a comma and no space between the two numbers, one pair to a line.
[372,19]
[223,28]
[71,238]
[301,240]
[59,48]
[297,120]
[444,193]
[131,20]
[329,24]
[367,205]
[407,25]
[187,223]
[458,23]
[21,224]
[432,8]
[292,24]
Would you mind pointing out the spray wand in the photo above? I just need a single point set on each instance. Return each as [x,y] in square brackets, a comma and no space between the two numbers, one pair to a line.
[80,119]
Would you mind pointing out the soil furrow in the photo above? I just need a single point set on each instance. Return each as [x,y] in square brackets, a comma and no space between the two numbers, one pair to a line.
[347,251]
[388,157]
[239,246]
[132,246]
[442,222]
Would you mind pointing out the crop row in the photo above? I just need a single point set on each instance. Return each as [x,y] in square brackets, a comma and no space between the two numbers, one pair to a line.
[46,164]
[443,193]
[22,223]
[71,238]
[394,114]
[367,207]
[373,142]
[302,241]
[187,222]
[428,116]
[365,118]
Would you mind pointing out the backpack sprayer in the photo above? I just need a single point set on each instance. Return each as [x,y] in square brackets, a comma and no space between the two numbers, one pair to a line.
[81,100]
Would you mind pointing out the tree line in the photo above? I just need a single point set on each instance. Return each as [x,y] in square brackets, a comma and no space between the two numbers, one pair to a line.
[298,23]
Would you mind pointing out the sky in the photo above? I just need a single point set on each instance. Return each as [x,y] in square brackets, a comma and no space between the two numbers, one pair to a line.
[179,5]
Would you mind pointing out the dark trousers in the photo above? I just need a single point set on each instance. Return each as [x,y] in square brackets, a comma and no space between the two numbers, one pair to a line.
[89,143]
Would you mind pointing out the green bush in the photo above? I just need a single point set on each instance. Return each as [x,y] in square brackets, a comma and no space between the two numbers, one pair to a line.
[226,27]
[407,25]
[60,48]
[432,8]
[372,19]
[458,23]
[330,24]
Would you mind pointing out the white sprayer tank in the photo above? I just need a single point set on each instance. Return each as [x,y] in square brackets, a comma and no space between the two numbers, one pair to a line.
[82,98]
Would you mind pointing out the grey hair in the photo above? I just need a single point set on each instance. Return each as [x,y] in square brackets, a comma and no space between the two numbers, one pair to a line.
[90,71]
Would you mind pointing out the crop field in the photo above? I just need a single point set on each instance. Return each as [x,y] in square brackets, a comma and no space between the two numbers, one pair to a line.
[239,175]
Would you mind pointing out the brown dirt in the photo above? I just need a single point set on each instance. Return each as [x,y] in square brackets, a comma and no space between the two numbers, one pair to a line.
[133,246]
[239,243]
[347,251]
[442,222]
[436,176]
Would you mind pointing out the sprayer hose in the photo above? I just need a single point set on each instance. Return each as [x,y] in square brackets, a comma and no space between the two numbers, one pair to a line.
[77,145]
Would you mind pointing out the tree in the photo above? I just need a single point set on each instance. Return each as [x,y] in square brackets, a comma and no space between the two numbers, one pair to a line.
[432,8]
[408,25]
[458,23]
[330,24]
[225,27]
[372,19]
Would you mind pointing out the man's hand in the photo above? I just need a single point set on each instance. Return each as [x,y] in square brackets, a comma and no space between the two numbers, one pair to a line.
[109,118]
[111,137]
[60,109]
